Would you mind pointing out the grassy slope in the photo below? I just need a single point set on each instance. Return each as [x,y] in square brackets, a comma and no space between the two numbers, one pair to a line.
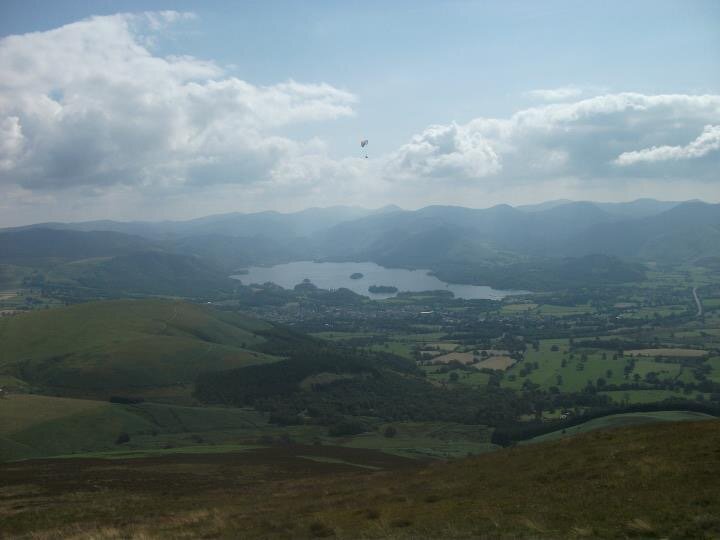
[621,420]
[148,272]
[12,276]
[647,481]
[153,348]
[34,426]
[41,426]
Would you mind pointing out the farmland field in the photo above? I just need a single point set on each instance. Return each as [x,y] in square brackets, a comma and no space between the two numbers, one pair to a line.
[692,353]
[645,396]
[563,311]
[462,357]
[496,362]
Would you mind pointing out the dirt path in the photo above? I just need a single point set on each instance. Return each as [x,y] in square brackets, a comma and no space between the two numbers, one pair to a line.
[698,302]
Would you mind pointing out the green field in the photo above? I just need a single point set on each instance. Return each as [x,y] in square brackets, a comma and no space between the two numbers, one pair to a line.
[427,439]
[646,396]
[402,345]
[400,348]
[150,348]
[576,373]
[34,426]
[563,311]
[715,364]
[41,426]
[517,308]
[655,311]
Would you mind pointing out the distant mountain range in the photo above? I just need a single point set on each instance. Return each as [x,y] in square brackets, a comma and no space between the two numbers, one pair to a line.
[459,244]
[268,224]
[664,232]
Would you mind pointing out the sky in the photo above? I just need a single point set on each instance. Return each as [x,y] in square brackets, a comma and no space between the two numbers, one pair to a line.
[171,110]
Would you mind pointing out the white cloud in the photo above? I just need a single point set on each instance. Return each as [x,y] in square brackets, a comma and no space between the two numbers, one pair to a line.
[93,120]
[580,140]
[708,141]
[451,151]
[556,94]
[89,104]
[11,142]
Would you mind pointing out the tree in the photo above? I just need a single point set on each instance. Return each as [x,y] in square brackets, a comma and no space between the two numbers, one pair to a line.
[122,438]
[390,432]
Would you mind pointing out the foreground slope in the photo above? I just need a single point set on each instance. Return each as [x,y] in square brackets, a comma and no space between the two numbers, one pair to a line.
[142,348]
[650,481]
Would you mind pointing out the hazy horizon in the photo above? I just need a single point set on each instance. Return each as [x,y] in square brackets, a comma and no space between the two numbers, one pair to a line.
[128,111]
[365,208]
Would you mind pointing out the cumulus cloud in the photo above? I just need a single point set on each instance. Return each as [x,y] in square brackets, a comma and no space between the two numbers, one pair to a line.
[451,151]
[708,141]
[89,104]
[11,142]
[579,140]
[90,112]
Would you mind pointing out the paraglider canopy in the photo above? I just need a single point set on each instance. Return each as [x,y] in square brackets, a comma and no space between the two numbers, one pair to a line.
[363,143]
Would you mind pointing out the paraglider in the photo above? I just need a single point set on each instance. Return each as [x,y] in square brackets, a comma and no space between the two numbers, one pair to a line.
[363,144]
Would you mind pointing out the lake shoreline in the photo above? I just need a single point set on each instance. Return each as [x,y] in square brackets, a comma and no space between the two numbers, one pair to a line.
[332,275]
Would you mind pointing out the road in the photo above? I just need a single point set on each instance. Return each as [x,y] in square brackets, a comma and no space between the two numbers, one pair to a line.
[698,302]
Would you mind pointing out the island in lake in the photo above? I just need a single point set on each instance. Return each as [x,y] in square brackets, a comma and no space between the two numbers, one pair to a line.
[357,275]
[382,289]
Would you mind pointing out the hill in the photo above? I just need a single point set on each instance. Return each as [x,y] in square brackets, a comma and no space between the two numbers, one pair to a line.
[499,246]
[231,253]
[268,224]
[687,231]
[33,426]
[40,246]
[644,482]
[143,348]
[108,264]
[349,391]
[153,273]
[623,420]
[543,274]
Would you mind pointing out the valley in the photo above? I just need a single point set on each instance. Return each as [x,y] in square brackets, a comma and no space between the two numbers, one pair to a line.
[367,270]
[124,355]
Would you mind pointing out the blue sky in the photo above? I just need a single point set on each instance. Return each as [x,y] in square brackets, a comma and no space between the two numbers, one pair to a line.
[410,66]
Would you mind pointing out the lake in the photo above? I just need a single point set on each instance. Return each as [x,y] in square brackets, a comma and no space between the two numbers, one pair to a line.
[330,275]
